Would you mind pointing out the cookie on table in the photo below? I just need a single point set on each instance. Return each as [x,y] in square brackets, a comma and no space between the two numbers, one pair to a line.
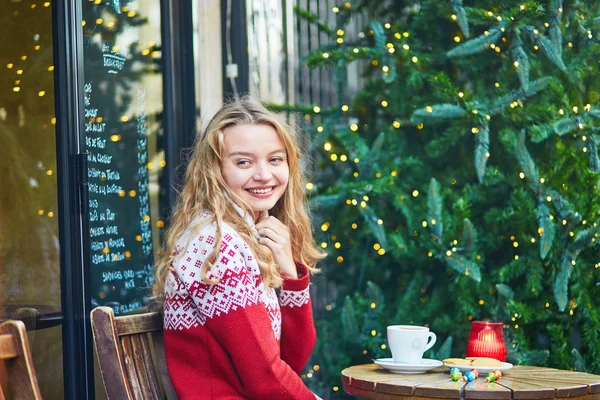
[485,362]
[457,361]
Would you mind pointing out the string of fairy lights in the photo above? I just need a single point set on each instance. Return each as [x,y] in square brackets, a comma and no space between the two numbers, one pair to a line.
[402,44]
[19,68]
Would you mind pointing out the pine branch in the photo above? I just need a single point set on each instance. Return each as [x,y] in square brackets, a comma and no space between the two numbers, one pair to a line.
[521,60]
[539,133]
[520,94]
[525,160]
[482,147]
[326,200]
[464,266]
[476,45]
[505,291]
[561,282]
[375,294]
[554,31]
[469,238]
[434,208]
[313,19]
[547,47]
[565,125]
[564,208]
[577,361]
[546,229]
[375,228]
[441,111]
[461,17]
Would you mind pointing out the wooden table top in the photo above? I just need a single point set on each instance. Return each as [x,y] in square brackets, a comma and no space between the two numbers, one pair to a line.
[370,381]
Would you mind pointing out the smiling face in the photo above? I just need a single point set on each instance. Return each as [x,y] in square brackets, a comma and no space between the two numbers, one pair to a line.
[254,165]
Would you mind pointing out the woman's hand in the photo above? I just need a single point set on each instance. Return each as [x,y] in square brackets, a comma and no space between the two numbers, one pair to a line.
[276,236]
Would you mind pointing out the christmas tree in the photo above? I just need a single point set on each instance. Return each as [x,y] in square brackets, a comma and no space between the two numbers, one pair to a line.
[460,183]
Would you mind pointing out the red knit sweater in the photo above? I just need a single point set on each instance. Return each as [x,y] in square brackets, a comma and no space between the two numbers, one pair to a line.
[235,339]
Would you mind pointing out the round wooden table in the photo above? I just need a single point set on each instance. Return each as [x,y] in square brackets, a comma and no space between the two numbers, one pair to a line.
[373,382]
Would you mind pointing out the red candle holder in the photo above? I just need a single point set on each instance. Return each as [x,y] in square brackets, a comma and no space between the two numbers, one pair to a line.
[487,340]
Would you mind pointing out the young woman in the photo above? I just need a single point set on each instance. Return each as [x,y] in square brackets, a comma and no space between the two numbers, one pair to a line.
[235,268]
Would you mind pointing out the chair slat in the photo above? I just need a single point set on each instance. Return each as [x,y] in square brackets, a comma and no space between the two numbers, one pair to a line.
[149,365]
[130,367]
[132,324]
[140,364]
[7,347]
[109,355]
[21,373]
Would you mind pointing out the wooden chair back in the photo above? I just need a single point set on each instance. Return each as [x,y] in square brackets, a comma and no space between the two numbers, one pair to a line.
[20,382]
[131,354]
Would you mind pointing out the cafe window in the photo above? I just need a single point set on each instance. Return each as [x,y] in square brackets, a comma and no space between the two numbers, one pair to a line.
[123,100]
[29,240]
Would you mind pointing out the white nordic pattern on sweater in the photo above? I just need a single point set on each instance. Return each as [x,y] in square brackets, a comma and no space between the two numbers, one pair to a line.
[189,302]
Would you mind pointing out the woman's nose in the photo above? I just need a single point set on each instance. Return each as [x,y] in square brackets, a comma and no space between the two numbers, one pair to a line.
[262,173]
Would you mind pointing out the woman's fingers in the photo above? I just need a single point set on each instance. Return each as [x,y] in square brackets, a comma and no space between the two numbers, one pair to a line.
[272,245]
[275,225]
[271,234]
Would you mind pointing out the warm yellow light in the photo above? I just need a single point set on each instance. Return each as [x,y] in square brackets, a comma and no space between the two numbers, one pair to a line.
[327,146]
[415,60]
[384,103]
[344,108]
[415,193]
[317,109]
[396,124]
[309,186]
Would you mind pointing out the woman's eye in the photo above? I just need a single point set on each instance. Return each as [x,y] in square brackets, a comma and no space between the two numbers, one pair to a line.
[276,159]
[243,163]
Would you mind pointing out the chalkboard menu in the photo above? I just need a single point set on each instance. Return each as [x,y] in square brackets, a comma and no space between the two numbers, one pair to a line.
[123,97]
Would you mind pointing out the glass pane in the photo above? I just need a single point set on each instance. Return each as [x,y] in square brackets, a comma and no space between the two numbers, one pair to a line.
[123,104]
[29,246]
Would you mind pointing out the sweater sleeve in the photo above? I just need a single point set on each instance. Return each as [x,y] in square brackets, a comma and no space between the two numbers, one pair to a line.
[297,326]
[241,325]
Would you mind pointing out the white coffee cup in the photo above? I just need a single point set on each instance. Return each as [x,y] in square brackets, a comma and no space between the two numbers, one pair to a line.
[408,342]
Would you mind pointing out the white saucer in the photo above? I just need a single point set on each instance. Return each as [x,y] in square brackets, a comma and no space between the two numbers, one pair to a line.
[405,368]
[482,370]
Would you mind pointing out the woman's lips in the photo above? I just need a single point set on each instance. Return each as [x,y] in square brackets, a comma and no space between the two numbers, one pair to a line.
[261,193]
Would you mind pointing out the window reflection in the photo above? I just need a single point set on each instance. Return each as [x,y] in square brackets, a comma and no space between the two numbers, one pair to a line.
[29,247]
